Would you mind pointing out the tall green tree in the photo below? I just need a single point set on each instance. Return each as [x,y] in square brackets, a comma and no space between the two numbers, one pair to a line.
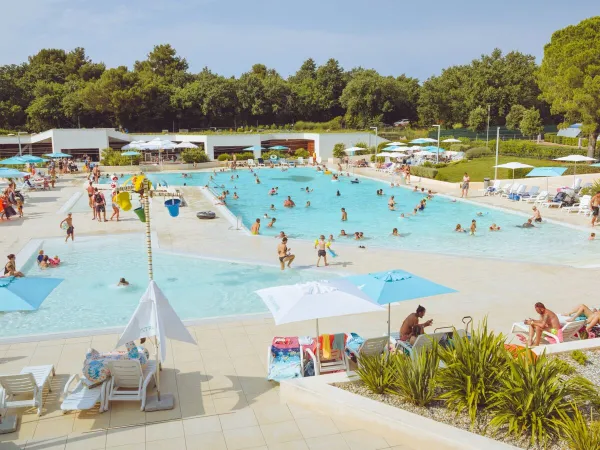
[531,123]
[477,120]
[514,117]
[569,76]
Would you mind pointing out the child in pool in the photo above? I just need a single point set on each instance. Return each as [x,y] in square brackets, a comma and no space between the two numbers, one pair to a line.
[459,228]
[473,227]
[123,282]
[494,227]
[54,262]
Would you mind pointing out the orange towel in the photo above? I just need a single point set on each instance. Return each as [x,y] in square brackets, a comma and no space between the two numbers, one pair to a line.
[326,347]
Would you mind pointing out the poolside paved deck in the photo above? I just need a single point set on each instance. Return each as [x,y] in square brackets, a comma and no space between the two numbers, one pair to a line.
[222,398]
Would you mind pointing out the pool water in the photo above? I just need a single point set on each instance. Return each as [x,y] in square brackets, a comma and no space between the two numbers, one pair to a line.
[89,298]
[431,230]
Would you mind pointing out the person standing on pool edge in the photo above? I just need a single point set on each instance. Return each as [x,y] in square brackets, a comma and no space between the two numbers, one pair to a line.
[255,227]
[70,227]
[344,215]
[321,245]
[284,254]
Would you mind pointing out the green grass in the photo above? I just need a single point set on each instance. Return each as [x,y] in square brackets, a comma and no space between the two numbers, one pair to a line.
[484,167]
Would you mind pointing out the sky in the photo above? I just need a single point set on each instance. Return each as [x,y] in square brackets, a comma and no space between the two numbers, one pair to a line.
[394,37]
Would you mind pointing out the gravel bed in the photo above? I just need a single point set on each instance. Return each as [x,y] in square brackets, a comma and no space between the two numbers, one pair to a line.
[436,410]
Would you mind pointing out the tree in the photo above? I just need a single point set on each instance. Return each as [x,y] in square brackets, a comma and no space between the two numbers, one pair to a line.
[569,76]
[531,123]
[478,119]
[339,151]
[514,117]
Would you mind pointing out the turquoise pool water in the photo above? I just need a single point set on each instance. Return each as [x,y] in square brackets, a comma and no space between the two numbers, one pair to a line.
[431,230]
[88,297]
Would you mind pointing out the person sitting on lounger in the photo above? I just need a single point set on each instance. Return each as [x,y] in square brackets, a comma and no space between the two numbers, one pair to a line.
[411,328]
[548,322]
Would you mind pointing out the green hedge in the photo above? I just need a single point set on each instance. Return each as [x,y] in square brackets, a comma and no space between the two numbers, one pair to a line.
[563,140]
[112,157]
[194,155]
[478,152]
[527,149]
[425,172]
[333,124]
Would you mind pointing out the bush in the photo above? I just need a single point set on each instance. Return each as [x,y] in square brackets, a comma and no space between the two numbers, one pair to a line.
[577,433]
[361,145]
[592,190]
[301,153]
[425,172]
[194,155]
[564,367]
[427,164]
[533,397]
[333,124]
[415,381]
[457,126]
[244,156]
[478,152]
[474,368]
[339,150]
[224,157]
[460,147]
[378,373]
[579,357]
[111,157]
[563,140]
[532,150]
[379,159]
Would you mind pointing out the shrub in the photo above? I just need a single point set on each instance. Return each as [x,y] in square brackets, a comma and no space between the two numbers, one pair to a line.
[301,153]
[564,367]
[111,157]
[531,149]
[379,159]
[577,433]
[361,145]
[244,156]
[338,150]
[378,373]
[224,157]
[579,357]
[533,397]
[194,155]
[425,172]
[457,126]
[416,376]
[333,124]
[478,152]
[564,140]
[591,190]
[460,147]
[474,368]
[427,164]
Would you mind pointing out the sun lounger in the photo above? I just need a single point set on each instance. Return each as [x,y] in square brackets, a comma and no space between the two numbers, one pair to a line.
[283,359]
[512,191]
[541,197]
[425,341]
[533,192]
[333,361]
[128,381]
[584,203]
[251,163]
[301,161]
[491,189]
[83,396]
[357,347]
[504,189]
[31,380]
[568,332]
[261,162]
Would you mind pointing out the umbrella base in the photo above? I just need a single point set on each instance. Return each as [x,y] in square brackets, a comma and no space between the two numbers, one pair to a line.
[8,424]
[167,401]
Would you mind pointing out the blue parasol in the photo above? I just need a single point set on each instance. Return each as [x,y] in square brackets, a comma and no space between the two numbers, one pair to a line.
[25,294]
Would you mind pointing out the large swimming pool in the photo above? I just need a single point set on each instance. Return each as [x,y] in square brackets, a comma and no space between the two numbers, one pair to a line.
[431,230]
[89,298]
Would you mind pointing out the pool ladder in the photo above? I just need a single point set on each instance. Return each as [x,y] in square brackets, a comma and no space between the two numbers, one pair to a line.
[238,223]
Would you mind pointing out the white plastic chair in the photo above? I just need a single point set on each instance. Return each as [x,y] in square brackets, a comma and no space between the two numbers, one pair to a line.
[251,163]
[301,161]
[531,193]
[582,204]
[31,380]
[83,396]
[129,382]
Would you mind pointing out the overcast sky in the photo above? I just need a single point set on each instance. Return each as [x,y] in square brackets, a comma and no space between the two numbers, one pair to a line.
[392,36]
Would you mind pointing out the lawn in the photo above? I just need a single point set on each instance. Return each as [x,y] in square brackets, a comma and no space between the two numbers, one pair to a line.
[484,167]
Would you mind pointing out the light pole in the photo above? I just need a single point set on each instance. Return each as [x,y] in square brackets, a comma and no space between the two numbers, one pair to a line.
[19,133]
[487,137]
[437,156]
[497,148]
[375,128]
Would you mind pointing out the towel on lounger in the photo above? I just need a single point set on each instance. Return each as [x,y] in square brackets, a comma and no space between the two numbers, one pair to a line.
[326,342]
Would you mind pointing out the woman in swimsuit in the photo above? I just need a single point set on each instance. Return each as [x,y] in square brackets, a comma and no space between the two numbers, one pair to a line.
[10,268]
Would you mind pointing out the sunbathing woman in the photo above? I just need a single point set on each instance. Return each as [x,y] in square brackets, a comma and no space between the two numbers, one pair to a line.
[581,310]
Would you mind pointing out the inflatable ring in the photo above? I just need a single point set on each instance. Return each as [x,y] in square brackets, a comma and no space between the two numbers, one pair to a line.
[203,215]
[327,172]
[273,157]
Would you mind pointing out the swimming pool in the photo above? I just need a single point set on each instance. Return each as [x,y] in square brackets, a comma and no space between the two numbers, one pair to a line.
[88,298]
[431,230]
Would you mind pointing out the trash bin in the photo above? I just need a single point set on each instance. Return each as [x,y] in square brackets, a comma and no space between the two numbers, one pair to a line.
[173,206]
[140,213]
[486,183]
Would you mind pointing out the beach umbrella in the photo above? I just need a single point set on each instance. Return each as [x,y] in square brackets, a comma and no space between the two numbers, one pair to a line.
[254,148]
[133,145]
[132,154]
[595,165]
[155,318]
[279,147]
[396,143]
[25,294]
[13,161]
[451,140]
[385,154]
[186,144]
[57,155]
[353,149]
[575,159]
[32,159]
[394,286]
[419,141]
[513,166]
[11,173]
[547,172]
[316,300]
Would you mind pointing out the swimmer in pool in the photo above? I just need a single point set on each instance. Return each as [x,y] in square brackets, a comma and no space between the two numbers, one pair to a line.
[308,190]
[479,214]
[592,237]
[391,203]
[123,282]
[494,227]
[416,189]
[307,204]
[391,185]
[272,208]
[395,232]
[235,196]
[459,228]
[528,224]
[255,227]
[356,236]
[338,194]
[272,191]
[415,211]
[330,240]
[270,224]
[266,216]
[402,216]
[361,235]
[473,227]
[344,215]
[257,180]
[289,203]
[281,235]
[343,233]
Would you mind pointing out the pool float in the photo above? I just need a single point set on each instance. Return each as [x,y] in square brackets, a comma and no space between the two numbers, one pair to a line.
[203,215]
[95,366]
[331,252]
[124,201]
[63,226]
[334,181]
[354,181]
[327,172]
[138,182]
[54,262]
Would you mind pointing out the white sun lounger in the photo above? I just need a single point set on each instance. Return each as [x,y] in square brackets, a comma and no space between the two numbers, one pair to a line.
[31,380]
[129,382]
[533,192]
[504,190]
[583,204]
[542,196]
[83,396]
[568,332]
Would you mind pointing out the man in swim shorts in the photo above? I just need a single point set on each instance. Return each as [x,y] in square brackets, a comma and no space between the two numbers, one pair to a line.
[344,215]
[90,192]
[284,254]
[70,227]
[548,322]
[100,203]
[537,216]
[321,245]
[411,328]
[255,227]
[391,203]
[595,205]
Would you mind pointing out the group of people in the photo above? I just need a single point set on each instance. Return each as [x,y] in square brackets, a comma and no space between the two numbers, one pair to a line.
[97,203]
[44,261]
[11,202]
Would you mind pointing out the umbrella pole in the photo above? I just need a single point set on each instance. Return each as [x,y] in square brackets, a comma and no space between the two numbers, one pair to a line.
[389,321]
[157,376]
[317,351]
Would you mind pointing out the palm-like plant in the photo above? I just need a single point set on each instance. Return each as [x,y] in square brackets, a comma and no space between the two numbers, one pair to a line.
[473,370]
[533,398]
[378,373]
[416,376]
[577,433]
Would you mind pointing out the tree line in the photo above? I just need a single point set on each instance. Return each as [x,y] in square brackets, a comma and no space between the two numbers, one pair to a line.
[58,88]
